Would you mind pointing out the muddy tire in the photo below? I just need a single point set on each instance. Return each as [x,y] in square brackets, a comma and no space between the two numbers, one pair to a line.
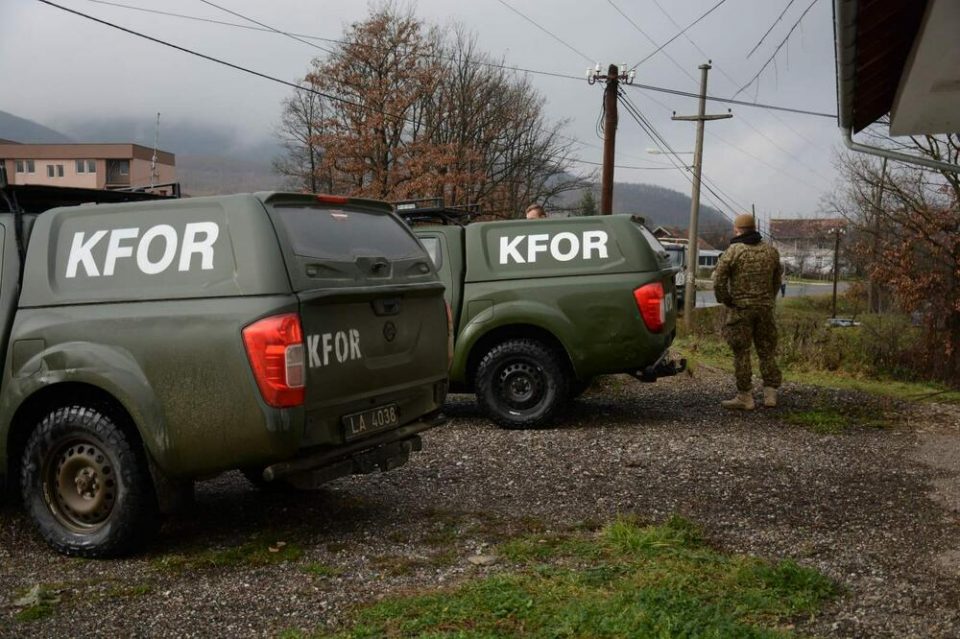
[86,485]
[521,383]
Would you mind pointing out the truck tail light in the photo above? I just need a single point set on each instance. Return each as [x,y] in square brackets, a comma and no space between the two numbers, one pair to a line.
[449,335]
[275,350]
[649,298]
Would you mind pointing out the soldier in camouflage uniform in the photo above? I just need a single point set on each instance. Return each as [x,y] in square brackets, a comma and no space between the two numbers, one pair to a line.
[746,281]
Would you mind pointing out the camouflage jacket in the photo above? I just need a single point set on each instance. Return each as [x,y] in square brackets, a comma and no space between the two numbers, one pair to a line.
[748,275]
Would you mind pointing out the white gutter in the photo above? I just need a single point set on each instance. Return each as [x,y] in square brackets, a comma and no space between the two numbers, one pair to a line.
[845,35]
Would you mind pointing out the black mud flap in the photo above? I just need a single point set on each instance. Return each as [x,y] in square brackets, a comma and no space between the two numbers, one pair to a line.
[663,368]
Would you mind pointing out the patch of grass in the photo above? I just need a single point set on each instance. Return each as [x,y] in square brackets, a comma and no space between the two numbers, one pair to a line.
[626,580]
[135,590]
[251,553]
[36,603]
[832,420]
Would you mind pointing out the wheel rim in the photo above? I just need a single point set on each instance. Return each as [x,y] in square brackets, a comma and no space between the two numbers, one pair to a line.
[80,484]
[521,385]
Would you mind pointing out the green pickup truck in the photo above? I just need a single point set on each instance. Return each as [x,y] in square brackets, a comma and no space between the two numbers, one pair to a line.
[147,344]
[540,307]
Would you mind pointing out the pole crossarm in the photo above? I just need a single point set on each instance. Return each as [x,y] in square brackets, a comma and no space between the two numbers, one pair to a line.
[690,294]
[702,118]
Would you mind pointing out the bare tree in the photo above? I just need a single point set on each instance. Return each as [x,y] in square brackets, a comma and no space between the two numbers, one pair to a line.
[299,131]
[416,112]
[910,243]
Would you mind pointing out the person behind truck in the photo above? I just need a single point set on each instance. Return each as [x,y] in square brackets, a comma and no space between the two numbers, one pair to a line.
[746,281]
[535,212]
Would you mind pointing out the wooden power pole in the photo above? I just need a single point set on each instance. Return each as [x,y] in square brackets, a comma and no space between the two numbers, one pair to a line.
[690,295]
[613,77]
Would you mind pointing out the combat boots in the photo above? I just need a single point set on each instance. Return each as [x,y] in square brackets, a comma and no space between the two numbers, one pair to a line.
[743,401]
[769,396]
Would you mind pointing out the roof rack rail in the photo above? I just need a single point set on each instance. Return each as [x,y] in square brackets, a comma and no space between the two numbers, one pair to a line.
[434,210]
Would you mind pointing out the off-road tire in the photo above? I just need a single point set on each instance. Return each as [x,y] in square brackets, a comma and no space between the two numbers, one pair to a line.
[86,485]
[521,383]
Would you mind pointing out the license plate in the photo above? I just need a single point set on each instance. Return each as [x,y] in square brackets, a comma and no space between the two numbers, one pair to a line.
[370,421]
[668,302]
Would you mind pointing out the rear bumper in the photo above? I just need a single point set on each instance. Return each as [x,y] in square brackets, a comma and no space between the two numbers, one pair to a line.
[365,455]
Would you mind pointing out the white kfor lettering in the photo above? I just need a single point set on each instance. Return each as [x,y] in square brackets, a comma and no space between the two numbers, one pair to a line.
[536,243]
[82,253]
[564,256]
[169,235]
[355,344]
[595,240]
[204,247]
[342,347]
[115,250]
[508,249]
[312,342]
[327,347]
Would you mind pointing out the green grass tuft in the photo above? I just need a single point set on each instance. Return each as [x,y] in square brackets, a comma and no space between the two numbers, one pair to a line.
[252,553]
[626,580]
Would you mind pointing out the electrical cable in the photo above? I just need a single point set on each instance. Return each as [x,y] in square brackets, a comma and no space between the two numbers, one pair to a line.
[680,33]
[537,25]
[651,40]
[775,23]
[665,147]
[777,50]
[505,67]
[266,26]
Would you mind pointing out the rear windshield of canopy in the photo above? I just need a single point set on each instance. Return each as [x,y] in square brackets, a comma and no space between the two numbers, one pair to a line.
[344,235]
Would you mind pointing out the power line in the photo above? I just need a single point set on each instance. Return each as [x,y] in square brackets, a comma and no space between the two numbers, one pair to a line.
[661,143]
[777,50]
[266,26]
[680,33]
[555,37]
[505,67]
[759,105]
[651,40]
[623,166]
[733,82]
[218,60]
[775,23]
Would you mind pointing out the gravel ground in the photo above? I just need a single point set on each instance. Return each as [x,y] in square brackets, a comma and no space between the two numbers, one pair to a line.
[876,509]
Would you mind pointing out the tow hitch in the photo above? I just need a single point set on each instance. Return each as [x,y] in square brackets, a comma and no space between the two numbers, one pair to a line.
[663,368]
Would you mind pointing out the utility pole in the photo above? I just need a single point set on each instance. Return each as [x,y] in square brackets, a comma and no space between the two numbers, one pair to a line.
[873,291]
[690,295]
[837,232]
[613,78]
[153,162]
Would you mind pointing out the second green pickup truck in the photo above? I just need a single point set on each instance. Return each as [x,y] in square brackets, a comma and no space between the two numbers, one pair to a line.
[541,307]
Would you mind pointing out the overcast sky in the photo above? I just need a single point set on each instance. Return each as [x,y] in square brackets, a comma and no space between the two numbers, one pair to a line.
[58,68]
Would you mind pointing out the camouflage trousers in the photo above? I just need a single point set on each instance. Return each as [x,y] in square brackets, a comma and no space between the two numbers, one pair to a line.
[756,326]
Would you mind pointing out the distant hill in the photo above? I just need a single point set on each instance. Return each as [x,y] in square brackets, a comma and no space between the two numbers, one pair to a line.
[217,174]
[659,205]
[19,129]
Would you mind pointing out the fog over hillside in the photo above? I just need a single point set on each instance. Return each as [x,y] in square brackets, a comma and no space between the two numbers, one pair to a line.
[214,159]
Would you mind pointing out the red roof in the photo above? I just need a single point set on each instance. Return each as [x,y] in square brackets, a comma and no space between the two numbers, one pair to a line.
[804,229]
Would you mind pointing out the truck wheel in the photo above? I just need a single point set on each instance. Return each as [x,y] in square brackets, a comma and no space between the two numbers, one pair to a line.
[86,485]
[521,383]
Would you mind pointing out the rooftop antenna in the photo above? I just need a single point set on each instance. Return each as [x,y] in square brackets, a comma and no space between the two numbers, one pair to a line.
[153,161]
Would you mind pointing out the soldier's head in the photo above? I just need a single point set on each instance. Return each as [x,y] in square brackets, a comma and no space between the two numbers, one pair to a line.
[743,223]
[536,212]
